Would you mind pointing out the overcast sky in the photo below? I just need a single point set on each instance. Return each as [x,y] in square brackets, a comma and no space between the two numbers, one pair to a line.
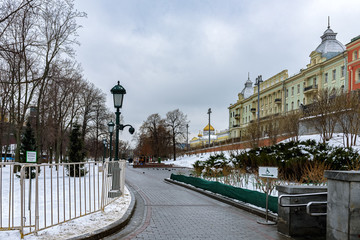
[196,54]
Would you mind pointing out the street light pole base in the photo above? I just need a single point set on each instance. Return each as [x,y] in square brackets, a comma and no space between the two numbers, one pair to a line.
[265,222]
[114,193]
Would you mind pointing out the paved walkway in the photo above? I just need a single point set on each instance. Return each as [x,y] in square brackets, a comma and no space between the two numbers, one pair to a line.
[168,211]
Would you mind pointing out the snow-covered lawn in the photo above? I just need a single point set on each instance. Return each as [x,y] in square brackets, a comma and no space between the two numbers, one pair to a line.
[79,226]
[335,141]
[60,199]
[248,181]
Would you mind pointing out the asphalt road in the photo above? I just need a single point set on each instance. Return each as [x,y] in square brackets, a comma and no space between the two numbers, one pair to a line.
[167,211]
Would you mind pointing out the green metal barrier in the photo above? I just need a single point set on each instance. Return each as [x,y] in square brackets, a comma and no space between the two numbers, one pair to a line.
[253,197]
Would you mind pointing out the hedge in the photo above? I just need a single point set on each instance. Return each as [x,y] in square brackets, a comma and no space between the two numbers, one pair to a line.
[253,197]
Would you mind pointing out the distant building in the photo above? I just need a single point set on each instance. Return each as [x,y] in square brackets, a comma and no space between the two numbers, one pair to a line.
[353,54]
[202,140]
[282,94]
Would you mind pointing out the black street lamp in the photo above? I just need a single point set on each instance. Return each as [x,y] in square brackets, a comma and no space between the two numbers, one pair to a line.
[118,93]
[105,146]
[111,130]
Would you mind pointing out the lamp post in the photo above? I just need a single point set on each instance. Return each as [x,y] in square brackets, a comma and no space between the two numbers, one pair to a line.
[257,83]
[187,137]
[105,145]
[209,112]
[111,130]
[118,93]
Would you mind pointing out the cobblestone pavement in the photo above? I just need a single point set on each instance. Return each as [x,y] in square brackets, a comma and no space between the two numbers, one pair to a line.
[173,212]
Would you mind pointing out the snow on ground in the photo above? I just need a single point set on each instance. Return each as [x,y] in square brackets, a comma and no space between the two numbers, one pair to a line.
[335,141]
[79,226]
[248,181]
[188,161]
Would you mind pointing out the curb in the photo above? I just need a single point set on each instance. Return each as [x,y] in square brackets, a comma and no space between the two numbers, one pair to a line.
[113,227]
[230,201]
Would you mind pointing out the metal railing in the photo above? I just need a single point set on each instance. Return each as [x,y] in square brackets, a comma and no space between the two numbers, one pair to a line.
[307,205]
[40,196]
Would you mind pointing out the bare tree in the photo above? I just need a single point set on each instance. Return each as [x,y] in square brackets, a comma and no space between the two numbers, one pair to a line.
[34,34]
[154,133]
[289,124]
[176,121]
[273,129]
[347,114]
[323,114]
[253,134]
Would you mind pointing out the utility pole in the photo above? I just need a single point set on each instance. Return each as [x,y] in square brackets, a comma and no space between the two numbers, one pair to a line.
[209,112]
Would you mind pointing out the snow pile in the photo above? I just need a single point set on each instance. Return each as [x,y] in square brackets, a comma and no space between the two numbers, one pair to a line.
[188,161]
[79,226]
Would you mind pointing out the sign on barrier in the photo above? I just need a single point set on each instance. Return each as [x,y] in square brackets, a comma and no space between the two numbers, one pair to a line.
[268,172]
[31,156]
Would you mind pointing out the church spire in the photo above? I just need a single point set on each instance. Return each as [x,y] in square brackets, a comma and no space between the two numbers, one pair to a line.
[328,22]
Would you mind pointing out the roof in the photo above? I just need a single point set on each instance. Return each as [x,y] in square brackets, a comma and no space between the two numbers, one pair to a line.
[355,38]
[329,46]
[207,128]
[248,89]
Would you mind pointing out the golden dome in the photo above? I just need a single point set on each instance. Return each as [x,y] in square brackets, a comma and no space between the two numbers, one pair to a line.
[207,128]
[199,135]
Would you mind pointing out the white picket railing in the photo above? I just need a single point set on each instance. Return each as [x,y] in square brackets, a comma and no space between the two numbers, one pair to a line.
[57,193]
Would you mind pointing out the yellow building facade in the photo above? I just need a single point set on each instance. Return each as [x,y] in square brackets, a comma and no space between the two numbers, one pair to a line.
[281,94]
[202,140]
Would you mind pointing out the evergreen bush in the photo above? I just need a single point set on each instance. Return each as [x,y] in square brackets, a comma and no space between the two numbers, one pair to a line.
[28,143]
[76,153]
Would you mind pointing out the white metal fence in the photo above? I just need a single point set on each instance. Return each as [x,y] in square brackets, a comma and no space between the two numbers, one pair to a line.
[56,194]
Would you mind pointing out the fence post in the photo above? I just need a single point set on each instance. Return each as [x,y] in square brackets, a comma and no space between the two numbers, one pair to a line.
[36,198]
[122,177]
[22,195]
[103,186]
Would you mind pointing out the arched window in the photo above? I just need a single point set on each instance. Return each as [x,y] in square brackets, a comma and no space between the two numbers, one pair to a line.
[355,55]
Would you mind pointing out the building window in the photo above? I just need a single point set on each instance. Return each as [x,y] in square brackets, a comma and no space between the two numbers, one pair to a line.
[292,91]
[292,105]
[304,101]
[357,75]
[298,103]
[334,74]
[326,77]
[286,107]
[314,81]
[342,71]
[355,55]
[298,88]
[287,93]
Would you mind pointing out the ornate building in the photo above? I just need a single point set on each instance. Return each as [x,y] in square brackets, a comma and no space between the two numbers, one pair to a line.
[353,49]
[202,140]
[281,94]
